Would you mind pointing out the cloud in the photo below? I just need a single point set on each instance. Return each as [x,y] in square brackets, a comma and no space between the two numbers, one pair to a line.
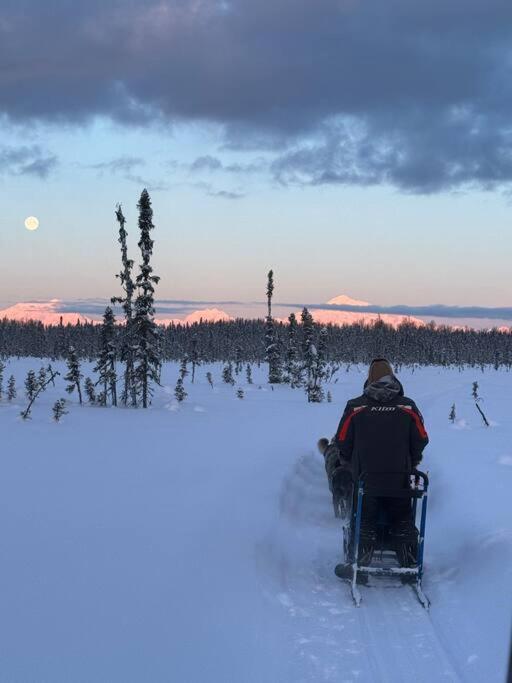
[210,191]
[226,194]
[27,160]
[415,95]
[211,163]
[206,163]
[123,164]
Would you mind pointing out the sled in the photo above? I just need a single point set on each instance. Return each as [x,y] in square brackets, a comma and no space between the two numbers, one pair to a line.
[384,561]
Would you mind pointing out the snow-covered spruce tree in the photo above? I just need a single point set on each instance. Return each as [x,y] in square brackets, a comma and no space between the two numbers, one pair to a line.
[329,397]
[41,375]
[183,367]
[33,388]
[227,373]
[314,359]
[322,367]
[452,416]
[106,363]
[74,375]
[195,359]
[59,409]
[272,355]
[240,393]
[179,391]
[314,389]
[307,341]
[11,388]
[31,385]
[210,379]
[238,359]
[474,391]
[146,333]
[248,373]
[2,368]
[293,370]
[127,342]
[90,390]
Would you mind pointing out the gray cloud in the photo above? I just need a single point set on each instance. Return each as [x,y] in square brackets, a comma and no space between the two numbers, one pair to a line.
[417,95]
[125,166]
[211,163]
[121,164]
[27,160]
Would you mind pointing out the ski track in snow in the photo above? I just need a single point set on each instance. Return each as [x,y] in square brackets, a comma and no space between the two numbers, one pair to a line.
[205,550]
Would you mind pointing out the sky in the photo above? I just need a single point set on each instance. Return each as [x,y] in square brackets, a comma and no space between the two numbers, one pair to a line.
[353,146]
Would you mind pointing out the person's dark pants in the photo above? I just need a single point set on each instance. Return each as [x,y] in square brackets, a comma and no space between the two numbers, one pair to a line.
[397,513]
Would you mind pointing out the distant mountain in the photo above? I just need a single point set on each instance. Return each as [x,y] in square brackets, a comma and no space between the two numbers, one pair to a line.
[327,316]
[46,312]
[204,314]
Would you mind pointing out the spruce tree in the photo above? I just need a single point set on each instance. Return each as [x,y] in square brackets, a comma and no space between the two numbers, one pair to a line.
[271,345]
[59,409]
[179,391]
[31,385]
[183,367]
[33,388]
[293,369]
[238,359]
[127,342]
[307,342]
[41,376]
[210,379]
[227,374]
[90,390]
[240,393]
[194,357]
[452,416]
[106,363]
[146,332]
[11,388]
[2,368]
[74,375]
[248,373]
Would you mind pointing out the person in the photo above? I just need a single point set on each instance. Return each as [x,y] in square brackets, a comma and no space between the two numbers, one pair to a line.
[382,434]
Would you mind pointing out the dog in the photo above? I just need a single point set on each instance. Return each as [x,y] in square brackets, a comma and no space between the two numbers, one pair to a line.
[339,477]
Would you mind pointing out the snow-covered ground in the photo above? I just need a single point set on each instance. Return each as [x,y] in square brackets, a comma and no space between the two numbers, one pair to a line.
[197,543]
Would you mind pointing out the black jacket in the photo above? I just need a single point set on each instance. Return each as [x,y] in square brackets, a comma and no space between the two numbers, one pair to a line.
[382,431]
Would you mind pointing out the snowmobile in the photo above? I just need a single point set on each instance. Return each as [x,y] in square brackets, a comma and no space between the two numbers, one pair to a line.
[384,560]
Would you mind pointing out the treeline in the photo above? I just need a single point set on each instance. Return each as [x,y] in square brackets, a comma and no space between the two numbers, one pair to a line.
[244,340]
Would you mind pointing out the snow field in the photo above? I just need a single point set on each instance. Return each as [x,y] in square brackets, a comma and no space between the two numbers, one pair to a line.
[196,541]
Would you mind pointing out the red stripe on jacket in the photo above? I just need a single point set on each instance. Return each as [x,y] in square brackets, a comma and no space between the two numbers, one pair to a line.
[343,431]
[417,420]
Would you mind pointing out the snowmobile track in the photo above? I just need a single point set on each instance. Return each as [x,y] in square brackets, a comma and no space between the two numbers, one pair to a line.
[391,622]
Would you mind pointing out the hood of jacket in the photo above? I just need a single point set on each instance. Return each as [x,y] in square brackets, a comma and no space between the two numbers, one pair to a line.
[384,389]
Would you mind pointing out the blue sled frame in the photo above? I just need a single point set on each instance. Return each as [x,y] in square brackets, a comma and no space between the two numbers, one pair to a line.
[417,492]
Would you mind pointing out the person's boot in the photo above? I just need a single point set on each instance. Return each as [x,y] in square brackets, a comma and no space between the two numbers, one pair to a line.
[405,537]
[366,551]
[406,553]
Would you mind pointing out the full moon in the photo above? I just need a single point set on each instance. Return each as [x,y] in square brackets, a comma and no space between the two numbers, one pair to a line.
[31,223]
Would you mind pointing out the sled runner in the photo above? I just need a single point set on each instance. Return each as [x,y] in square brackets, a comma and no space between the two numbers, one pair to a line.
[384,560]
